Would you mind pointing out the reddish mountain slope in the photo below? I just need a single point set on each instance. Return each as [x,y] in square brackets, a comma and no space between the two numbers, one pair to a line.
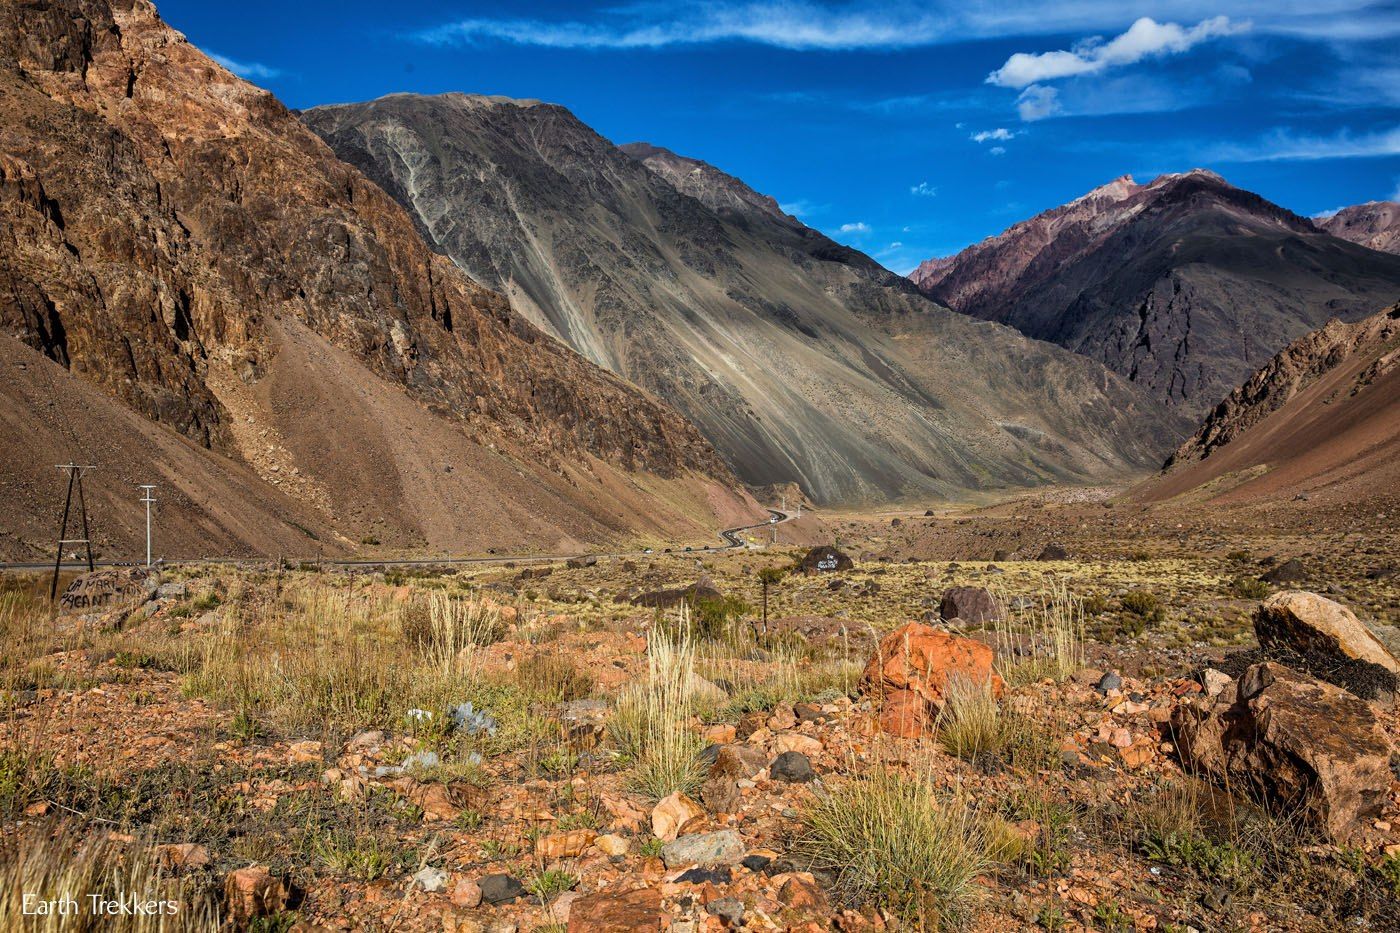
[1375,224]
[174,236]
[1322,417]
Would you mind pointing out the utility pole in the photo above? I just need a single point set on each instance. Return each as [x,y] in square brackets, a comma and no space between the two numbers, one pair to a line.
[148,496]
[75,481]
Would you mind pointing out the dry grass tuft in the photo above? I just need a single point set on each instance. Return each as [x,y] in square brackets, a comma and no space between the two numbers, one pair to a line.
[48,863]
[652,721]
[1049,643]
[891,839]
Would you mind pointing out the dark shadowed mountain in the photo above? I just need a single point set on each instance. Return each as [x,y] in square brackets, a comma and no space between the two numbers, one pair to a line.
[801,360]
[1320,418]
[1185,285]
[175,238]
[1375,224]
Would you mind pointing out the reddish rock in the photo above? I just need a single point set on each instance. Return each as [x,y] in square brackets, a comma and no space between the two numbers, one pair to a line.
[904,713]
[920,658]
[610,912]
[253,892]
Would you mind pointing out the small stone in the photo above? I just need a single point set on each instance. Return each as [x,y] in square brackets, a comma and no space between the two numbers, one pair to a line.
[720,734]
[801,893]
[1214,681]
[783,718]
[253,892]
[797,742]
[562,906]
[638,911]
[466,893]
[1109,681]
[671,816]
[704,876]
[500,889]
[792,768]
[756,862]
[612,844]
[431,880]
[299,752]
[564,845]
[724,847]
[728,909]
[184,856]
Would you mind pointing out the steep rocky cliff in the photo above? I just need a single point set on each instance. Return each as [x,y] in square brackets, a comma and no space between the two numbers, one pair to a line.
[802,360]
[175,236]
[1184,285]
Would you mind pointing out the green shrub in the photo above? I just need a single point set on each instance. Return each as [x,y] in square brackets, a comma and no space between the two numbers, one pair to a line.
[1247,587]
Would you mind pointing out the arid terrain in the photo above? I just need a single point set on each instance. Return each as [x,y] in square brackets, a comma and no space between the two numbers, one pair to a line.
[288,748]
[563,536]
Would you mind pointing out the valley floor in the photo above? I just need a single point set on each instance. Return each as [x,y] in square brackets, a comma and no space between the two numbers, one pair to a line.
[289,749]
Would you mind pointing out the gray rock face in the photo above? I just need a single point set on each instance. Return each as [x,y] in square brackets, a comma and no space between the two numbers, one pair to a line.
[792,768]
[803,360]
[1185,285]
[704,849]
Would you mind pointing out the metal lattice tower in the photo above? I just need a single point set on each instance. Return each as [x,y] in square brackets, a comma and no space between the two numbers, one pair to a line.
[75,482]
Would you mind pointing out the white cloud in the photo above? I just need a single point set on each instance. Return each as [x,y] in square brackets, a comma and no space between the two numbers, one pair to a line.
[246,69]
[1000,133]
[1283,145]
[924,188]
[1038,102]
[1146,38]
[1324,215]
[859,226]
[997,150]
[891,24]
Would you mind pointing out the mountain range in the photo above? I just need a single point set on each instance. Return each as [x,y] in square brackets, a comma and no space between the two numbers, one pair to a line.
[1184,285]
[464,322]
[802,360]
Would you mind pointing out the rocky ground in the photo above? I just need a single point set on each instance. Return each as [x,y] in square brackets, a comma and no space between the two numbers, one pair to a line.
[1085,742]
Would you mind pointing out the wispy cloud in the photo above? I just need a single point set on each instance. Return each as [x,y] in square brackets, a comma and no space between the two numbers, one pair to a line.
[923,189]
[789,24]
[997,150]
[1038,102]
[859,226]
[1146,38]
[872,24]
[1000,133]
[246,69]
[1284,145]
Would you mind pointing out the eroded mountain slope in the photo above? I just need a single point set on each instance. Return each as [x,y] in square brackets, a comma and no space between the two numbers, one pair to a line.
[801,360]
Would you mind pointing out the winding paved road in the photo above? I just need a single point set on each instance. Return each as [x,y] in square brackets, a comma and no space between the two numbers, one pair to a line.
[730,536]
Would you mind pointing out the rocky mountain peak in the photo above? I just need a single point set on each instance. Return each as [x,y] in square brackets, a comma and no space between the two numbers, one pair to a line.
[717,190]
[1375,224]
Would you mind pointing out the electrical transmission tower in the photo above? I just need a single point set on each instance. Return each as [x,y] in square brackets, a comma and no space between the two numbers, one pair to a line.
[75,481]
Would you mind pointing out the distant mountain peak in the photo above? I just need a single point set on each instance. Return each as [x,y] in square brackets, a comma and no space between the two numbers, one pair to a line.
[1374,224]
[1184,284]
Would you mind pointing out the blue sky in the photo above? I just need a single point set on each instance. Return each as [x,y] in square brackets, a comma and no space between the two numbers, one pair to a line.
[906,130]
